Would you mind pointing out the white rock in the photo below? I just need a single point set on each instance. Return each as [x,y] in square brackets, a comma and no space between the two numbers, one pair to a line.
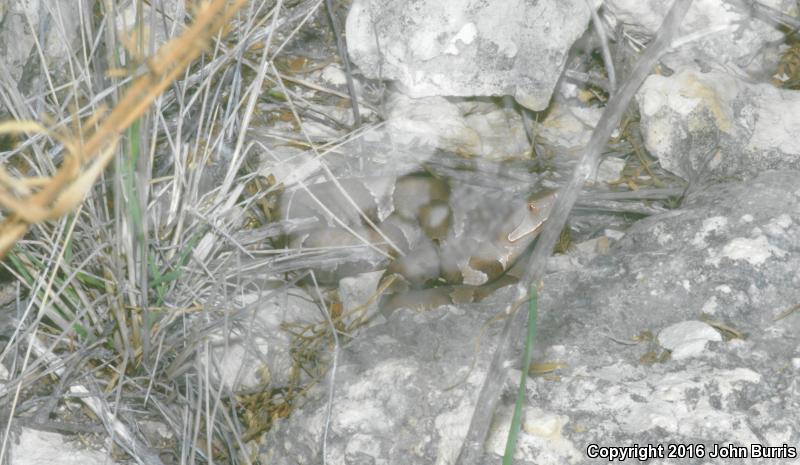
[739,127]
[610,169]
[710,305]
[466,48]
[483,129]
[687,338]
[434,122]
[334,75]
[568,126]
[755,251]
[36,447]
[590,248]
[257,351]
[713,31]
[501,133]
[614,234]
[714,225]
[540,440]
[356,291]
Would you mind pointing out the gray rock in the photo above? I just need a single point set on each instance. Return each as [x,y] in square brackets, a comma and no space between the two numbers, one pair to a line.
[731,253]
[730,126]
[53,23]
[404,393]
[687,338]
[568,126]
[610,169]
[432,122]
[253,350]
[359,294]
[474,48]
[722,32]
[34,447]
[481,128]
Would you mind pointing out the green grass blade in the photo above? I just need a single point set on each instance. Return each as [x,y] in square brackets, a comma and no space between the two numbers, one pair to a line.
[160,280]
[129,184]
[511,443]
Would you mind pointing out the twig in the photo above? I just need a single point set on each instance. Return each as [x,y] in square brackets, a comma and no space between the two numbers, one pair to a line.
[774,16]
[340,46]
[588,78]
[607,60]
[334,366]
[472,447]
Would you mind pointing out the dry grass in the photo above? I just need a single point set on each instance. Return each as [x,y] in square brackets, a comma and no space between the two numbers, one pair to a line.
[91,146]
[122,207]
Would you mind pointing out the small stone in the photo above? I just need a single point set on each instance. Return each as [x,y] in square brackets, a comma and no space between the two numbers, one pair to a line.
[355,292]
[613,234]
[687,338]
[610,169]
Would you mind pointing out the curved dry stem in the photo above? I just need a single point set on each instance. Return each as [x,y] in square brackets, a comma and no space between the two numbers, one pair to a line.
[69,185]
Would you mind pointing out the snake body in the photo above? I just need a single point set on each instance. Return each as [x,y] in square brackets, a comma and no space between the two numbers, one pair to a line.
[427,231]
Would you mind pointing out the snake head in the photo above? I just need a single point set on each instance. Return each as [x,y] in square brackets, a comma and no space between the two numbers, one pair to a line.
[539,208]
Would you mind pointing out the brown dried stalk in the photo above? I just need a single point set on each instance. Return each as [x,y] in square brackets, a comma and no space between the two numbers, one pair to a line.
[85,160]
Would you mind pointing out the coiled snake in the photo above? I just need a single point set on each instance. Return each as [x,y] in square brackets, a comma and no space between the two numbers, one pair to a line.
[427,231]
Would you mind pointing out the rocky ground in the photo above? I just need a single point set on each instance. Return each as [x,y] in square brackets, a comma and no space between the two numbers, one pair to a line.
[668,323]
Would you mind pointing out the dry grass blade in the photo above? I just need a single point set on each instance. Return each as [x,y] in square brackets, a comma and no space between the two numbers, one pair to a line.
[85,160]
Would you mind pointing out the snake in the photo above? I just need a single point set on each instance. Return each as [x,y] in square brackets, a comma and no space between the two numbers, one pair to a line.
[427,231]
